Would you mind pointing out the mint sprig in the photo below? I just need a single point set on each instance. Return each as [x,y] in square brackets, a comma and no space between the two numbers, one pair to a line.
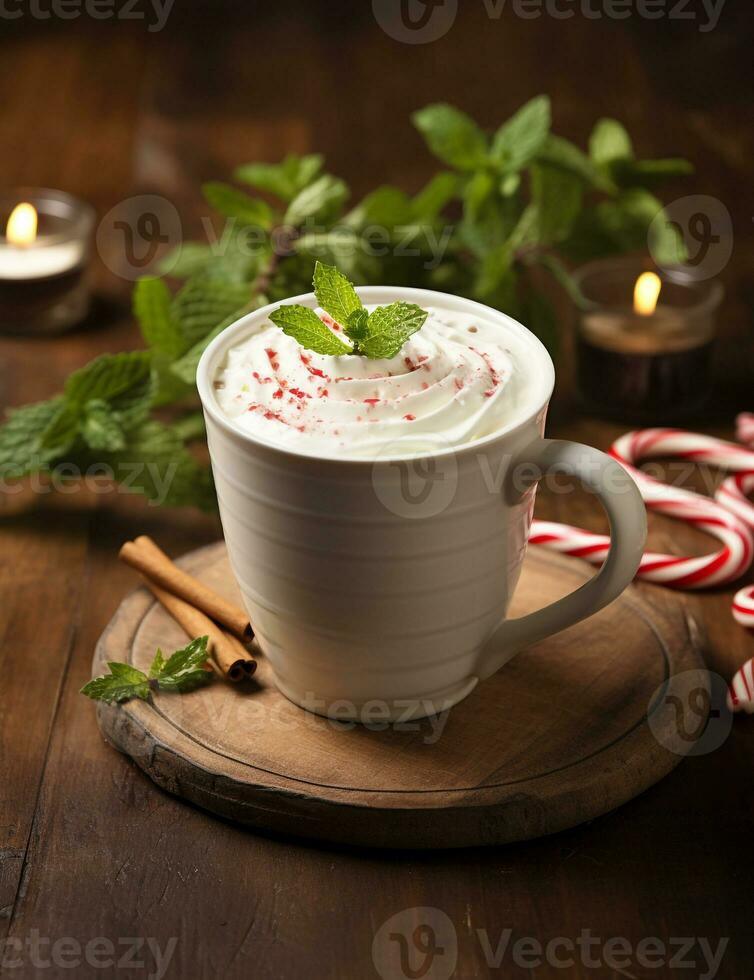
[183,671]
[379,334]
[505,206]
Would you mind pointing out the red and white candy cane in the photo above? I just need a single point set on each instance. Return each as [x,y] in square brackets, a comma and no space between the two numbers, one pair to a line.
[729,517]
[734,528]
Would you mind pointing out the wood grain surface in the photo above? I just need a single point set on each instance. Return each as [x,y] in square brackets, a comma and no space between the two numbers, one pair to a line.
[561,735]
[90,847]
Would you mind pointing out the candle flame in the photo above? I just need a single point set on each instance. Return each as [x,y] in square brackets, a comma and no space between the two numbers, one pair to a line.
[646,293]
[22,225]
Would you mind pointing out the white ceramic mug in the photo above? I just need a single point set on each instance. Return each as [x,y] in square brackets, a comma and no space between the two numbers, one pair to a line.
[378,589]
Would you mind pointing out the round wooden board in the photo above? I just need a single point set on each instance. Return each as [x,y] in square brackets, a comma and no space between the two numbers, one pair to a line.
[560,735]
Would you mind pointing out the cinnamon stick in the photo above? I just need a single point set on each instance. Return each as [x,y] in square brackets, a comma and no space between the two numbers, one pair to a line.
[145,556]
[232,658]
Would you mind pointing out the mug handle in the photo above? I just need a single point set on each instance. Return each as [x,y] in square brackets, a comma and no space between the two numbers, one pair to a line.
[625,508]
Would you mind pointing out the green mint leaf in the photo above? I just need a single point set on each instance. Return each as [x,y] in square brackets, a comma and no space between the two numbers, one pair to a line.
[477,194]
[182,671]
[124,381]
[430,201]
[452,136]
[156,463]
[157,664]
[190,427]
[320,202]
[390,327]
[357,325]
[385,207]
[342,247]
[100,428]
[284,179]
[121,684]
[185,669]
[236,257]
[335,293]
[22,449]
[236,204]
[519,140]
[561,153]
[495,280]
[201,305]
[305,326]
[169,388]
[609,141]
[186,260]
[268,177]
[526,230]
[185,367]
[152,308]
[557,196]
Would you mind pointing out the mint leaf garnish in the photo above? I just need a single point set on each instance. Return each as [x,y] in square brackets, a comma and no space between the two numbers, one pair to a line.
[181,672]
[379,334]
[335,293]
[390,327]
[305,326]
[357,325]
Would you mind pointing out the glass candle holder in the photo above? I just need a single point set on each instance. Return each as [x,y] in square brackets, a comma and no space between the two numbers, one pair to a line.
[45,242]
[645,355]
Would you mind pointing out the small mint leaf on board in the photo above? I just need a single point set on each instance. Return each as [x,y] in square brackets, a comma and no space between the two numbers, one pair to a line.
[335,293]
[305,326]
[390,327]
[121,684]
[157,664]
[185,669]
[182,671]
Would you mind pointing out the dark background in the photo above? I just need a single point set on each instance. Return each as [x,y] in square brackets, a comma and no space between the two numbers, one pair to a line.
[109,109]
[88,846]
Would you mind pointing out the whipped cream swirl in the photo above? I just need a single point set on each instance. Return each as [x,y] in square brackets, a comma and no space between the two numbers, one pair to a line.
[454,379]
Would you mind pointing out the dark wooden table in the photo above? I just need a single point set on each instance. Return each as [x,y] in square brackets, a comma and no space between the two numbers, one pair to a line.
[89,848]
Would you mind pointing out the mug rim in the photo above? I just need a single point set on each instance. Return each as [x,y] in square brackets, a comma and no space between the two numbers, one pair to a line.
[370,294]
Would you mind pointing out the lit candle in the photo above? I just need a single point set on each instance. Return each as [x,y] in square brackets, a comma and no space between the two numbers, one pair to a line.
[43,257]
[645,341]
